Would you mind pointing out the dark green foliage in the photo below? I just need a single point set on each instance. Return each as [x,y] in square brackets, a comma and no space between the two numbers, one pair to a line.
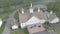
[46,25]
[55,6]
[16,16]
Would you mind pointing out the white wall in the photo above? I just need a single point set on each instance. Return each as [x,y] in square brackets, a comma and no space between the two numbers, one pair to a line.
[15,27]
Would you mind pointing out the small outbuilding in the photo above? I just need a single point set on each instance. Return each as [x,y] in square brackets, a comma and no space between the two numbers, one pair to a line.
[14,24]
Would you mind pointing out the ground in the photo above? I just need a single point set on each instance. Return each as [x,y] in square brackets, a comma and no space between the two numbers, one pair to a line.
[2,27]
[56,29]
[19,31]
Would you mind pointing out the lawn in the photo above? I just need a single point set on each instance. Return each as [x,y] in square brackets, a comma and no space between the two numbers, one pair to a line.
[3,15]
[16,16]
[58,14]
[57,30]
[19,31]
[2,27]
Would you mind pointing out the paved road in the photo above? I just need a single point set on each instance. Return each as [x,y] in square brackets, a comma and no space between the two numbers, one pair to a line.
[7,27]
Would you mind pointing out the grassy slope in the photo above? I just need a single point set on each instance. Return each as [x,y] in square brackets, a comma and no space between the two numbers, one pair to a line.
[2,27]
[56,29]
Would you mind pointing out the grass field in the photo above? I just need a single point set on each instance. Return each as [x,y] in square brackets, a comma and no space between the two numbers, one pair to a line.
[2,27]
[57,30]
[3,15]
[16,16]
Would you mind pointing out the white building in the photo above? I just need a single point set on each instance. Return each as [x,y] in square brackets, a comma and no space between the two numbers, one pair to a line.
[37,17]
[14,24]
[32,20]
[31,9]
[15,27]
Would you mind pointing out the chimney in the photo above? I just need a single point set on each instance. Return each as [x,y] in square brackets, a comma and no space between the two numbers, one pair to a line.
[31,9]
[31,5]
[51,12]
[22,11]
[38,9]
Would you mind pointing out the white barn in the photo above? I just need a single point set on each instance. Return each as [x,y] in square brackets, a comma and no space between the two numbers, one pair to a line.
[14,24]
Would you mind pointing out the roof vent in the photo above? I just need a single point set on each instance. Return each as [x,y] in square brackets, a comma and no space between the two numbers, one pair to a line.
[51,12]
[31,9]
[38,9]
[31,5]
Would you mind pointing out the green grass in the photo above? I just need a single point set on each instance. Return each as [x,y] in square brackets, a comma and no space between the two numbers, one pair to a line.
[16,16]
[6,12]
[2,27]
[58,14]
[3,15]
[19,31]
[55,6]
[56,29]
